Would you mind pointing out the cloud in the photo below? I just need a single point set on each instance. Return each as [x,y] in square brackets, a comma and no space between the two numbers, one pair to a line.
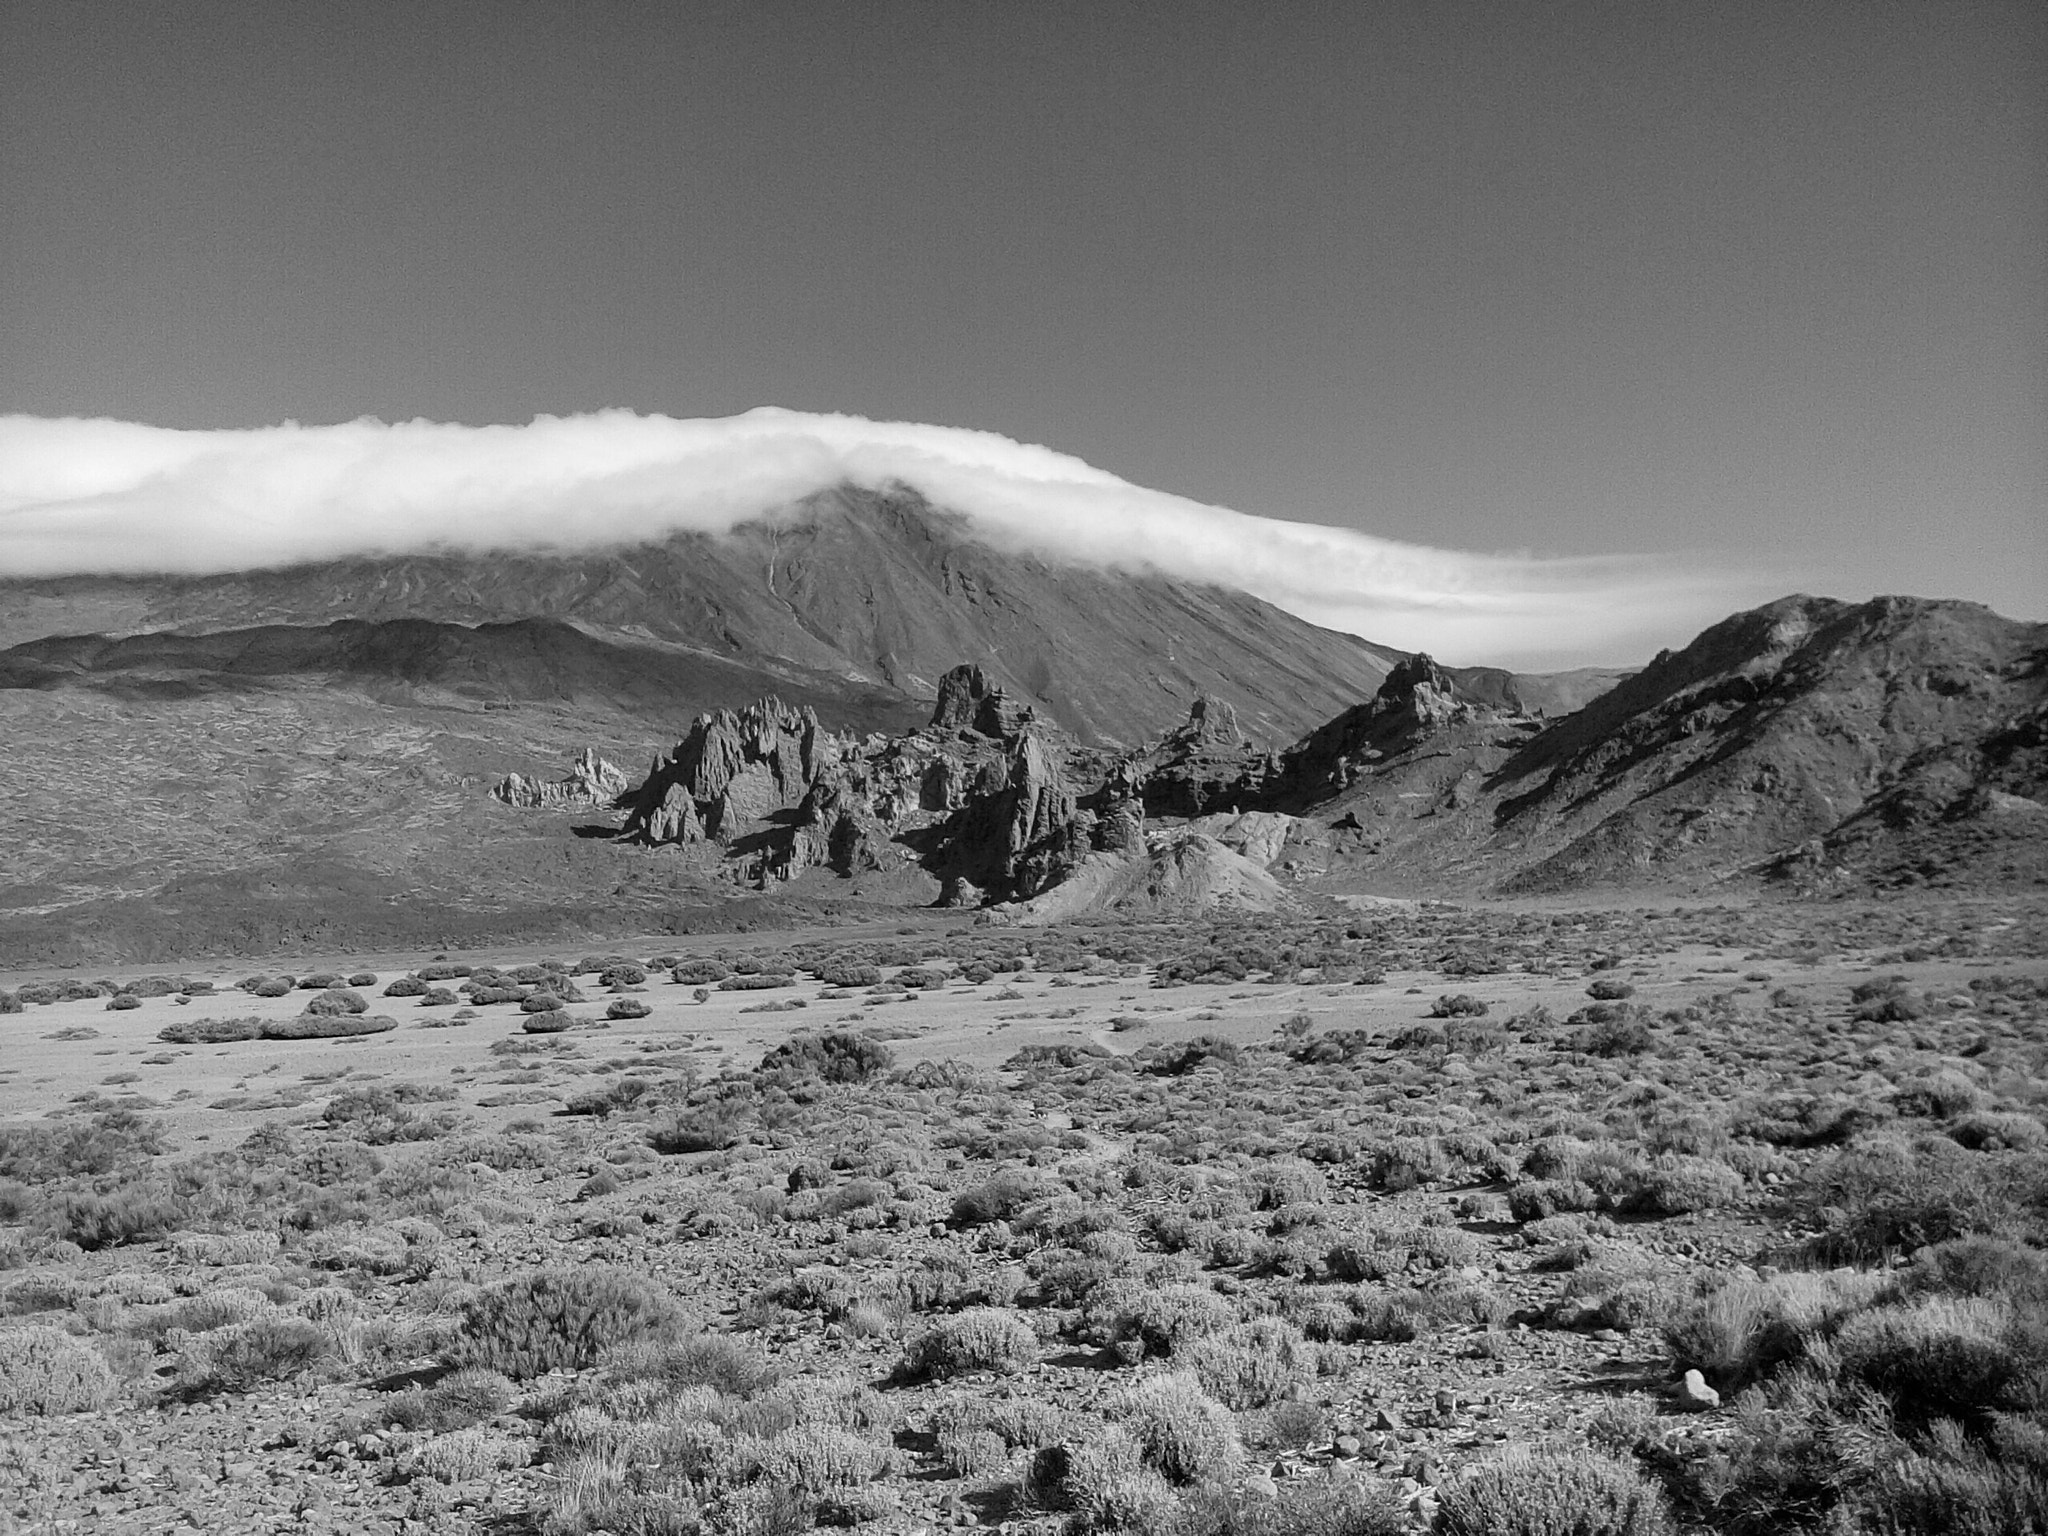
[102,496]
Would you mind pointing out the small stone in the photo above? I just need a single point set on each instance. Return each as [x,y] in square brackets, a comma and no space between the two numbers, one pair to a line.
[1347,1447]
[1694,1395]
[1259,1486]
[1387,1421]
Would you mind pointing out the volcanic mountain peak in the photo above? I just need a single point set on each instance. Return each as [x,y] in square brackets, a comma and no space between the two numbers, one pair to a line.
[882,590]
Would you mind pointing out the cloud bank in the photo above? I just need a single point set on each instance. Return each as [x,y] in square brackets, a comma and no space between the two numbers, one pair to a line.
[97,496]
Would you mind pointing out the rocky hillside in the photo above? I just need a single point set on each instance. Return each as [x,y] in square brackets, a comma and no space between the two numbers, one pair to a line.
[873,592]
[1810,740]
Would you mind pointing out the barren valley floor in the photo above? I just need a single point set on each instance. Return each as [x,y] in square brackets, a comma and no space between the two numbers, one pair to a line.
[1277,1224]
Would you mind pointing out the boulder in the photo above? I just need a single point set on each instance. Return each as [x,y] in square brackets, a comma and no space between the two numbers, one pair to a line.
[1693,1395]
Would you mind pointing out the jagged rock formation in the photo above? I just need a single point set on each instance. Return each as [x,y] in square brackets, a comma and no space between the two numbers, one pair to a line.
[735,768]
[592,784]
[984,797]
[1196,768]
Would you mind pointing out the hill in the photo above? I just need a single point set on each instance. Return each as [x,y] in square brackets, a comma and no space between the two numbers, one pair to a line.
[1810,741]
[880,592]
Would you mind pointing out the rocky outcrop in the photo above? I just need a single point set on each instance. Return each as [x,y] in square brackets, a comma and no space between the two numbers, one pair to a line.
[968,701]
[1201,766]
[733,769]
[985,797]
[592,784]
[1181,872]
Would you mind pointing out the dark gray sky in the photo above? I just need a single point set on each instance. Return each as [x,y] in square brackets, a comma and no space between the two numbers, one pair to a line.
[1766,282]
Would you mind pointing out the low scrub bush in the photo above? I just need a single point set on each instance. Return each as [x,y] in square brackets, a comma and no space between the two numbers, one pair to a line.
[108,1220]
[838,1057]
[45,1370]
[314,1026]
[266,1347]
[406,986]
[1458,1005]
[1184,1434]
[626,1008]
[560,1318]
[336,1002]
[1254,1364]
[210,1031]
[1551,1493]
[978,1339]
[760,981]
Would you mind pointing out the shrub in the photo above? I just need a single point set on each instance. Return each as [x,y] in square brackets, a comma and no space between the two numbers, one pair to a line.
[627,1008]
[439,997]
[336,1002]
[1252,1364]
[1183,1433]
[45,1370]
[123,1000]
[997,1198]
[760,981]
[121,1216]
[1624,1033]
[1165,1320]
[261,1348]
[1460,1005]
[838,1057]
[10,1002]
[1937,1356]
[622,976]
[313,1026]
[1743,1330]
[1551,1493]
[385,1114]
[40,1153]
[466,1454]
[1316,1507]
[699,973]
[1107,1483]
[269,986]
[979,1339]
[546,1021]
[1888,1193]
[406,986]
[1608,989]
[1185,1056]
[209,1031]
[555,1318]
[849,973]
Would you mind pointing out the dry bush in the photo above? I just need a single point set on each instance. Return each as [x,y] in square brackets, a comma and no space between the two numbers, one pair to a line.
[1549,1493]
[313,1026]
[45,1370]
[1184,1434]
[978,1339]
[547,1319]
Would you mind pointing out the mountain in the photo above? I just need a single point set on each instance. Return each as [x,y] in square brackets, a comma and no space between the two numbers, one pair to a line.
[877,591]
[534,661]
[1809,741]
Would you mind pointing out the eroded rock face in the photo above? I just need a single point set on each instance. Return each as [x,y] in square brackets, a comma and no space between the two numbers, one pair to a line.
[734,768]
[982,797]
[1204,765]
[592,784]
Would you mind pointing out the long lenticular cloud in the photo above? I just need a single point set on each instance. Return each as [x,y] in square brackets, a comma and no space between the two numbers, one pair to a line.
[80,496]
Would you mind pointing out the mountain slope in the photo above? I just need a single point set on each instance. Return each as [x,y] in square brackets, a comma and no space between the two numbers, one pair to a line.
[884,591]
[1811,740]
[523,660]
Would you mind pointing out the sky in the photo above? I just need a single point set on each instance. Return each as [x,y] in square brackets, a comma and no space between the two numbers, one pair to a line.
[1754,295]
